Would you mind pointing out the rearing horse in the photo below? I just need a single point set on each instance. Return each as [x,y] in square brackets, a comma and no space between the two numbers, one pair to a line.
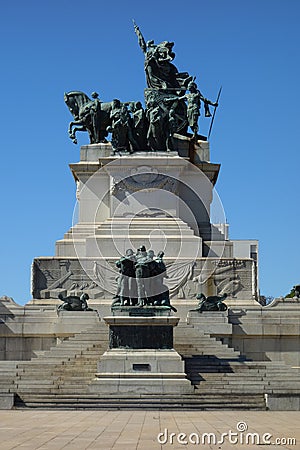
[82,109]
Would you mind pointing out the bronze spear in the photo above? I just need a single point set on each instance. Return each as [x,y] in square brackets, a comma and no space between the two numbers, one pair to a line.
[214,113]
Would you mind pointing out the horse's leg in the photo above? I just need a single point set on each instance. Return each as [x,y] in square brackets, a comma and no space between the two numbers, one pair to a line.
[73,135]
[72,132]
[71,125]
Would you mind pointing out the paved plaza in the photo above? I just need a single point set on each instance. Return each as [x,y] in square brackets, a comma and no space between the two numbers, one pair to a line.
[130,430]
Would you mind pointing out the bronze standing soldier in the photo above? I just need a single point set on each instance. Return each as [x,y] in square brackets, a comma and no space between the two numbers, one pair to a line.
[126,278]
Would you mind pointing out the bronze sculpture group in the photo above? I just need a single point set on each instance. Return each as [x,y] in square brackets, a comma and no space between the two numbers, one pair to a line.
[141,279]
[169,109]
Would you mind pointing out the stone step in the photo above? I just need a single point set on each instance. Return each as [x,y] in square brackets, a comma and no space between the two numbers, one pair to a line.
[7,373]
[227,368]
[225,383]
[37,368]
[7,379]
[57,376]
[94,337]
[73,353]
[187,353]
[54,381]
[82,361]
[70,374]
[78,345]
[230,390]
[57,357]
[7,386]
[219,376]
[279,390]
[206,346]
[77,381]
[79,388]
[35,363]
[133,221]
[86,365]
[198,402]
[36,383]
[198,340]
[236,384]
[150,225]
[287,376]
[195,334]
[170,232]
[56,371]
[230,367]
[73,347]
[206,349]
[90,353]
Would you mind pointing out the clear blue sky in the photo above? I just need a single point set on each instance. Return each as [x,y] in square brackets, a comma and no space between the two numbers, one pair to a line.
[250,47]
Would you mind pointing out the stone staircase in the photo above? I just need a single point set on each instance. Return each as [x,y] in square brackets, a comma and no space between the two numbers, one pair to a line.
[189,341]
[64,369]
[8,370]
[59,378]
[204,354]
[222,377]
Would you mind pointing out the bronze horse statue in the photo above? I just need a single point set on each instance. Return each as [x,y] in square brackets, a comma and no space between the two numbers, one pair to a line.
[89,115]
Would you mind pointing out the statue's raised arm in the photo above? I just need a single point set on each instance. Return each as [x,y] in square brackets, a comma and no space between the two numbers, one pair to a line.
[141,40]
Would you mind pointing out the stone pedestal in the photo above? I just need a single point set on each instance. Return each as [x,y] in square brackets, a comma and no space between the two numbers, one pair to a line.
[161,200]
[141,358]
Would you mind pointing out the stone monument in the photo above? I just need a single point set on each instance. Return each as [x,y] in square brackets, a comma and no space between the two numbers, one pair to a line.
[153,183]
[151,187]
[150,239]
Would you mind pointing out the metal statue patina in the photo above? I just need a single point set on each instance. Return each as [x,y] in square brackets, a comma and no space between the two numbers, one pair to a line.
[74,303]
[172,105]
[141,280]
[126,284]
[140,126]
[160,72]
[211,303]
[89,115]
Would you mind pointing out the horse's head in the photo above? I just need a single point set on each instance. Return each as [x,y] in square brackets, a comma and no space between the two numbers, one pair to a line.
[75,101]
[71,103]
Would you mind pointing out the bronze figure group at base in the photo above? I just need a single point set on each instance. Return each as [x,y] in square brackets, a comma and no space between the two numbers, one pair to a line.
[141,279]
[168,108]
